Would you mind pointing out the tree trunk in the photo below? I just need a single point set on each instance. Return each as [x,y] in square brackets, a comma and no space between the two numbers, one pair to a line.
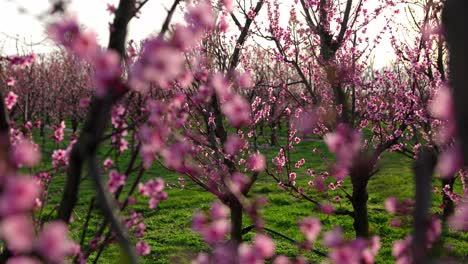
[360,197]
[236,220]
[273,137]
[42,134]
[74,124]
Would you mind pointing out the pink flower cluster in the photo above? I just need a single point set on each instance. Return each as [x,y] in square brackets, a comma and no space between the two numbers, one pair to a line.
[346,144]
[116,180]
[18,198]
[60,157]
[107,66]
[355,251]
[310,228]
[256,162]
[59,132]
[10,100]
[25,153]
[459,220]
[263,248]
[153,189]
[214,226]
[402,248]
[161,61]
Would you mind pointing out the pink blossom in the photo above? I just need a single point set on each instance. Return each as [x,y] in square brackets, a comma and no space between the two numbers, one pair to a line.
[28,125]
[375,245]
[305,121]
[116,180]
[327,209]
[222,86]
[154,190]
[60,158]
[281,260]
[69,34]
[10,100]
[310,227]
[85,45]
[84,102]
[161,63]
[154,201]
[11,81]
[111,9]
[333,238]
[391,204]
[401,250]
[449,162]
[18,232]
[184,38]
[245,80]
[442,105]
[256,162]
[142,248]
[26,154]
[345,143]
[219,210]
[248,255]
[53,242]
[345,255]
[233,144]
[237,110]
[64,32]
[200,16]
[174,156]
[152,187]
[264,245]
[343,139]
[228,4]
[239,181]
[108,163]
[202,258]
[19,195]
[299,163]
[22,260]
[459,220]
[199,220]
[58,132]
[223,25]
[434,230]
[292,176]
[107,71]
[215,231]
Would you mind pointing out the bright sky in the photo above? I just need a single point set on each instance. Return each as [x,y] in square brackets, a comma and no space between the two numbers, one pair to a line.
[21,29]
[91,13]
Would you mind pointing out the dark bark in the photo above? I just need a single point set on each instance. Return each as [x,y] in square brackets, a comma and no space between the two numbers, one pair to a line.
[273,136]
[423,169]
[74,124]
[98,117]
[360,197]
[360,173]
[455,21]
[236,220]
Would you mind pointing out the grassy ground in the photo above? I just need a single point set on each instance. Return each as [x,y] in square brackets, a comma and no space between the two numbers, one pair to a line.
[172,241]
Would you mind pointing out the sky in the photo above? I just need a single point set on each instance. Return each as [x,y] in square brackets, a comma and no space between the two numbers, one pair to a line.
[24,29]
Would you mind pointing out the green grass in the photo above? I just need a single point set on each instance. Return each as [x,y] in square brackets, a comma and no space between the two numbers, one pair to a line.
[169,227]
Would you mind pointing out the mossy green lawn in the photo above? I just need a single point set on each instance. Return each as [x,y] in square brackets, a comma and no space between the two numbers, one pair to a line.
[169,226]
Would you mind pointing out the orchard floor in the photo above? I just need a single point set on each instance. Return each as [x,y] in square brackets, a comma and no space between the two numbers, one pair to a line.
[169,227]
